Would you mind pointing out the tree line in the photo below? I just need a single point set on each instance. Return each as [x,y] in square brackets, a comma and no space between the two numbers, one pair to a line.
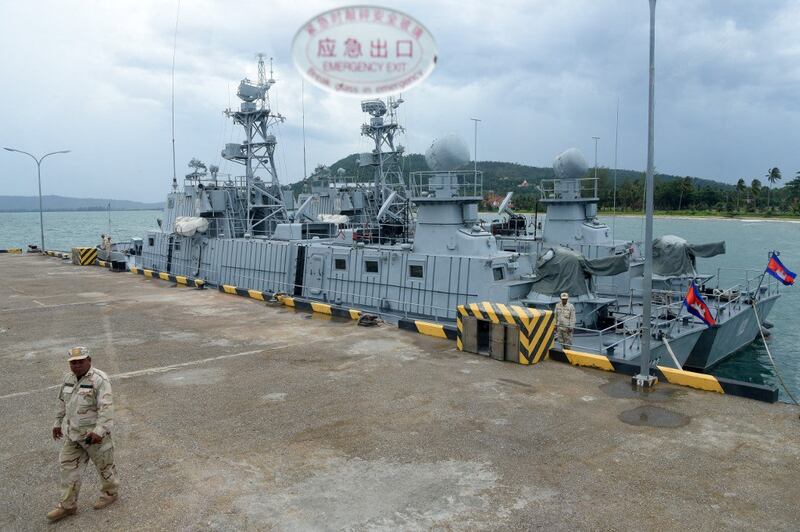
[768,195]
[688,194]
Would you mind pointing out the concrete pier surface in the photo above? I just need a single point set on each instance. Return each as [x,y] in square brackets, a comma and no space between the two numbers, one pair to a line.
[232,414]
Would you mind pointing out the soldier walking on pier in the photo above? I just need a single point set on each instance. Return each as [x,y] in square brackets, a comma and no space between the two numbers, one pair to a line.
[565,321]
[85,408]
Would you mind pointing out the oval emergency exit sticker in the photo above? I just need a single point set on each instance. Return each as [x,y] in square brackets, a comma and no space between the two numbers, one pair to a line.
[364,50]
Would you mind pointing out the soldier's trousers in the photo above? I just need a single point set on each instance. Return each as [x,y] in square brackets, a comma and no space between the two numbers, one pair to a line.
[73,458]
[564,337]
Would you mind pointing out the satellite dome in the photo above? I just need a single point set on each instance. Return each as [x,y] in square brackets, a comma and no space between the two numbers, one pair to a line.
[447,153]
[570,165]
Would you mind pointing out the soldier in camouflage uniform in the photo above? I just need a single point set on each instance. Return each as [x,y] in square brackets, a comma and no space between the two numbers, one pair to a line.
[85,407]
[565,321]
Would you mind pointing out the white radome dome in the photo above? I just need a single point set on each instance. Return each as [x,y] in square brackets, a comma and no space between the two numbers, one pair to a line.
[570,165]
[447,153]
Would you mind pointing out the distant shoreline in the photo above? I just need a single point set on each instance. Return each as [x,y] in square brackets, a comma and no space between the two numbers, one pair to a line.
[689,216]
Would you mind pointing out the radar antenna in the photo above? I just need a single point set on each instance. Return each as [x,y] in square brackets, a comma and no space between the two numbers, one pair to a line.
[389,201]
[266,206]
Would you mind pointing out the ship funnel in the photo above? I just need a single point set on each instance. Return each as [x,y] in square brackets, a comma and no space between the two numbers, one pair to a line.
[447,153]
[570,165]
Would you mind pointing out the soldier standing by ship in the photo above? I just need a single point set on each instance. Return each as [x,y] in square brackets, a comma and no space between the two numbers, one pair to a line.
[565,320]
[85,406]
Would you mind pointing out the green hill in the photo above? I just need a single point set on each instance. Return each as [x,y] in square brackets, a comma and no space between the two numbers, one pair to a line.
[499,177]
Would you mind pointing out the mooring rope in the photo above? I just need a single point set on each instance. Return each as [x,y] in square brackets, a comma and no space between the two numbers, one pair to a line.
[772,360]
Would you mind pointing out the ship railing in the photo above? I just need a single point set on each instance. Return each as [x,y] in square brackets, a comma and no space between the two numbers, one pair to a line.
[748,281]
[218,181]
[722,299]
[627,332]
[569,189]
[450,184]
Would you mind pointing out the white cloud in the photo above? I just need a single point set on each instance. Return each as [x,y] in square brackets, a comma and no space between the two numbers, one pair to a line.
[94,77]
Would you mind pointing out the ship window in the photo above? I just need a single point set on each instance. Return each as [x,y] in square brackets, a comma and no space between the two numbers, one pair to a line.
[371,266]
[151,241]
[415,270]
[498,273]
[340,264]
[171,203]
[177,245]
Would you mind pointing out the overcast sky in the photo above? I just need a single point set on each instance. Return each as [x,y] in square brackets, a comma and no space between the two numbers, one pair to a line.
[94,77]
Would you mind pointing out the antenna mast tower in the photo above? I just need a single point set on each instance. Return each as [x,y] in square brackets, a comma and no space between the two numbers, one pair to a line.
[264,202]
[386,157]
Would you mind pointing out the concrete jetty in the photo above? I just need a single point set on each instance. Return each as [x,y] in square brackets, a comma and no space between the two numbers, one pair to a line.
[234,414]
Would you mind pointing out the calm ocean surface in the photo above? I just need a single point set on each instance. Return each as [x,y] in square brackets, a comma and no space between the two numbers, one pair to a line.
[748,242]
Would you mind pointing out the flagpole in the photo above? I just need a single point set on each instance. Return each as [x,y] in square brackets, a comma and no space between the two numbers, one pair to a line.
[763,274]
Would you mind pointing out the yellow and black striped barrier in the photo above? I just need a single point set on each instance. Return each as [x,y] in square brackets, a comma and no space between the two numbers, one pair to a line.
[178,279]
[437,330]
[12,251]
[318,307]
[691,379]
[59,254]
[536,327]
[84,256]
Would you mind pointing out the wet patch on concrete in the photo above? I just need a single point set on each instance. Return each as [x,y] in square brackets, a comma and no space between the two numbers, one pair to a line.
[653,416]
[621,388]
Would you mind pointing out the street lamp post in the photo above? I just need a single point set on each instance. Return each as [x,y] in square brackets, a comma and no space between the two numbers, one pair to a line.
[39,176]
[476,120]
[644,379]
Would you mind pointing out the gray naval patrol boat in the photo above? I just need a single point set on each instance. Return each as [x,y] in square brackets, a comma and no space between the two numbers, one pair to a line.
[571,222]
[392,260]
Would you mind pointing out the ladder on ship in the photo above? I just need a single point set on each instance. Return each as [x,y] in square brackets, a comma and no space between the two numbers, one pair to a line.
[235,211]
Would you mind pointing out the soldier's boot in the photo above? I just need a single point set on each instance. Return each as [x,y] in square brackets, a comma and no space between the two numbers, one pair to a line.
[104,500]
[59,512]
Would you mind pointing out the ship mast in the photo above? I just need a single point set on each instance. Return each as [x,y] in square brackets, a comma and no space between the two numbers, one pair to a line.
[264,199]
[389,192]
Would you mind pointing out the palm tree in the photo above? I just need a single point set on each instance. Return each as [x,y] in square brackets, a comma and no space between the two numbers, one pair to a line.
[793,187]
[740,187]
[755,186]
[773,176]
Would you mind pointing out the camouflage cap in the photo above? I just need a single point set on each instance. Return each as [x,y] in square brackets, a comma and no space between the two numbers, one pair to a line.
[564,295]
[78,353]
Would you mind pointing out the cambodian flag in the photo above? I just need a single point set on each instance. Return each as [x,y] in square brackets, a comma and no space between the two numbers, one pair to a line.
[776,269]
[695,305]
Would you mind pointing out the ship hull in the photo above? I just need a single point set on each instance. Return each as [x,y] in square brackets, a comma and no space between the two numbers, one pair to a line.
[718,343]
